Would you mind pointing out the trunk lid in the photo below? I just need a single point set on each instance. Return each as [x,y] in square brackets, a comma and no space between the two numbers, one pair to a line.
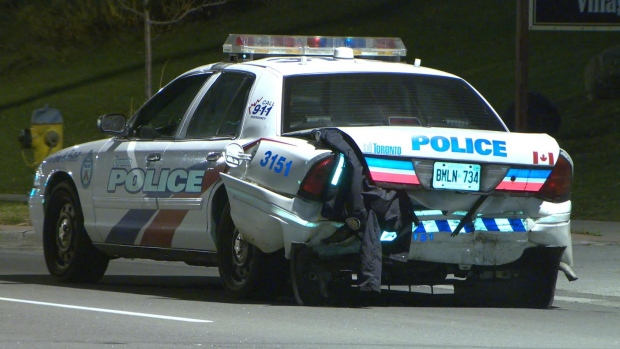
[462,145]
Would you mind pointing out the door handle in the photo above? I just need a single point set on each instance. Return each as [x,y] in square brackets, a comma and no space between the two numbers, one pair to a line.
[153,157]
[213,156]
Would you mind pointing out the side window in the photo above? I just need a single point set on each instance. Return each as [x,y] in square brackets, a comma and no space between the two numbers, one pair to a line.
[162,114]
[221,109]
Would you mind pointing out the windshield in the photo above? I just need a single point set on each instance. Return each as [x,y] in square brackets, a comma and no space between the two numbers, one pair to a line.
[373,99]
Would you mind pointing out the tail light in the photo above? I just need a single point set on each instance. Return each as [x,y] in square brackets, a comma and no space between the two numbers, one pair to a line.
[318,178]
[557,187]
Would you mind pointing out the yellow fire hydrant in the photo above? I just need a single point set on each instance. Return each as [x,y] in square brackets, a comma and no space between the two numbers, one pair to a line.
[44,136]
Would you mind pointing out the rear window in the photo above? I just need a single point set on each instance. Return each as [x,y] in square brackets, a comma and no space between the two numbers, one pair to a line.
[368,99]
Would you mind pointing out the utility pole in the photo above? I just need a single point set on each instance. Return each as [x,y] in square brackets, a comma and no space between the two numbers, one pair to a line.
[522,62]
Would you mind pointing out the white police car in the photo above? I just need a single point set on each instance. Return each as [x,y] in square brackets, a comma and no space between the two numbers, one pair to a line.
[225,166]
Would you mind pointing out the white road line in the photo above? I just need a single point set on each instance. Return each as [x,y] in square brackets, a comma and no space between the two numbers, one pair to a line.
[102,310]
[600,302]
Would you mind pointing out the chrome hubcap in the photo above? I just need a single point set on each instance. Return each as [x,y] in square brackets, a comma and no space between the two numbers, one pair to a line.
[64,235]
[240,249]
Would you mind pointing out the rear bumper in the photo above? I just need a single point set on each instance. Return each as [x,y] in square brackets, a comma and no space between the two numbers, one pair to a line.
[489,247]
[272,222]
[494,241]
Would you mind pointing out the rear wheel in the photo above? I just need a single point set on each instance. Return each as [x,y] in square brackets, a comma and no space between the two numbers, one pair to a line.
[529,282]
[322,282]
[69,252]
[308,279]
[245,270]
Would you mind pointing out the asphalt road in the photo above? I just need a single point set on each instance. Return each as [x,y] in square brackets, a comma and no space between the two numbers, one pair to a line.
[146,304]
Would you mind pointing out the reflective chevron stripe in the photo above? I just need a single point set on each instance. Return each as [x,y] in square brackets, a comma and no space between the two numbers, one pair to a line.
[505,225]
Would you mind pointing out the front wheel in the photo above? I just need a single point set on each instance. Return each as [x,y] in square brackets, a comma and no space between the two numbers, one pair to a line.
[69,252]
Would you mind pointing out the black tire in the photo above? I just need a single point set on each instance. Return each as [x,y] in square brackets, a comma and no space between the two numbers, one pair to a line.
[246,271]
[532,283]
[539,275]
[305,277]
[317,282]
[69,253]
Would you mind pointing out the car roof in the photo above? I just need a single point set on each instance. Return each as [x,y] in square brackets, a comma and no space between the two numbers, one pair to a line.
[304,65]
[318,65]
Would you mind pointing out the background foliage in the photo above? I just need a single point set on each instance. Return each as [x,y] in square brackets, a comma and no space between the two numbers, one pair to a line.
[79,56]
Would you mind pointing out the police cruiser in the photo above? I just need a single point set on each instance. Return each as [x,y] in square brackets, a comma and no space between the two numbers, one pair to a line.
[298,159]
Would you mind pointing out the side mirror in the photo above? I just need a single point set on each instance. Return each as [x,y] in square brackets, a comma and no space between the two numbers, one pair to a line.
[234,155]
[112,124]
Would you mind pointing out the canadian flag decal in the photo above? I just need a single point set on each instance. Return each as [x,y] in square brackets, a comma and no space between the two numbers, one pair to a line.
[543,158]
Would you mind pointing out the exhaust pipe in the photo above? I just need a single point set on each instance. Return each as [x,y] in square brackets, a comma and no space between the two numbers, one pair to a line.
[568,271]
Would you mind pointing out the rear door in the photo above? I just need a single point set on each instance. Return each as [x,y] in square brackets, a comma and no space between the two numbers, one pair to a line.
[194,163]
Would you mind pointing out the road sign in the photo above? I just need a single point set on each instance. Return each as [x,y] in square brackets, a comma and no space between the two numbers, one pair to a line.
[578,15]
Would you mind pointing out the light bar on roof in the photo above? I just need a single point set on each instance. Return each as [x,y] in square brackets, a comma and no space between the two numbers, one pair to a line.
[312,45]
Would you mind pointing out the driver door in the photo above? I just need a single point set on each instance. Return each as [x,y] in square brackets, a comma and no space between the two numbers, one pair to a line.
[128,177]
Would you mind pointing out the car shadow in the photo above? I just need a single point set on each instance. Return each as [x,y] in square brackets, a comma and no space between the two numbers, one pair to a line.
[190,288]
[210,289]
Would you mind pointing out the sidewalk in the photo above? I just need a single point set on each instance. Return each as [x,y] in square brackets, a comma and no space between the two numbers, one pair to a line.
[583,233]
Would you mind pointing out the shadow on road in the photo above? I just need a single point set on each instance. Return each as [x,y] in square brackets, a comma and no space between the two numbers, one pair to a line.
[209,289]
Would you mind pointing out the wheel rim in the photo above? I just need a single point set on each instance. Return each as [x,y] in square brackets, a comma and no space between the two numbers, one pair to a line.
[64,235]
[241,256]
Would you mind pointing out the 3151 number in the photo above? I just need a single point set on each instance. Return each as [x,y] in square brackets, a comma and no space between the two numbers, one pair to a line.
[276,163]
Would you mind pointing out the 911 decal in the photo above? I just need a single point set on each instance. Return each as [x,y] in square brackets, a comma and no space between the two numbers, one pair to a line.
[260,109]
[276,163]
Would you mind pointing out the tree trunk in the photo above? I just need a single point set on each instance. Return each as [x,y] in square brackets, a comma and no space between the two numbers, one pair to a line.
[148,50]
[184,10]
[521,116]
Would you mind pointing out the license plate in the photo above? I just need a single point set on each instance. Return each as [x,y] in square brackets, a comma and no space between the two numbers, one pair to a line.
[456,176]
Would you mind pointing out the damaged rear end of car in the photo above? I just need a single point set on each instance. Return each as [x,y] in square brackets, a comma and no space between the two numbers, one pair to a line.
[483,209]
[503,240]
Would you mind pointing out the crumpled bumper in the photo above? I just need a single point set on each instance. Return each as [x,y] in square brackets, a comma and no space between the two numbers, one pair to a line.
[271,222]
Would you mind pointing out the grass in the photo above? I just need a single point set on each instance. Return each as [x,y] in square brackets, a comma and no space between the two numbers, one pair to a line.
[14,213]
[475,40]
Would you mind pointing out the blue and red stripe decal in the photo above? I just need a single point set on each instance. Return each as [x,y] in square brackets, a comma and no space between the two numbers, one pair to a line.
[129,227]
[403,172]
[392,170]
[161,225]
[528,180]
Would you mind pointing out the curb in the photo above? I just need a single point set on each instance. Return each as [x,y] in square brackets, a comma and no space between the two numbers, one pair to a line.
[14,198]
[19,237]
